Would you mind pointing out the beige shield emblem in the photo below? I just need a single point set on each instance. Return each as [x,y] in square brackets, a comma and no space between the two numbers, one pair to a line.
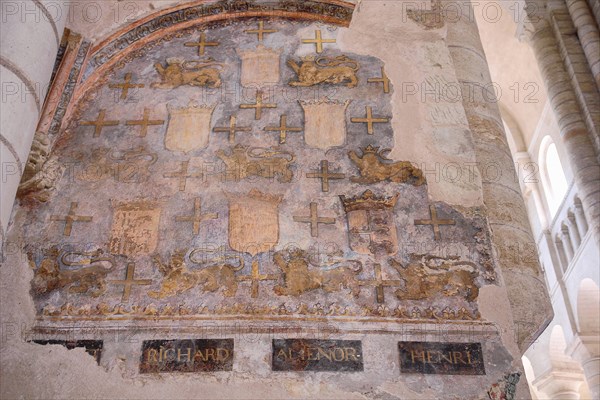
[260,67]
[371,223]
[253,222]
[324,123]
[135,229]
[189,128]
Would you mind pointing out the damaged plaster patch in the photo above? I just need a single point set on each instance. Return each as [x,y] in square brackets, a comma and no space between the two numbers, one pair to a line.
[422,107]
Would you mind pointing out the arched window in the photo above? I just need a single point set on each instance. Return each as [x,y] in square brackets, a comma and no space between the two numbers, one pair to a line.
[553,176]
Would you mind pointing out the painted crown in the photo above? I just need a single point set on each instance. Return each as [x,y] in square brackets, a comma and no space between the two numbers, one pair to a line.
[368,201]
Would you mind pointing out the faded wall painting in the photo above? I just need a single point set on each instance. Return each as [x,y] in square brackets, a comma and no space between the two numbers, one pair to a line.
[242,168]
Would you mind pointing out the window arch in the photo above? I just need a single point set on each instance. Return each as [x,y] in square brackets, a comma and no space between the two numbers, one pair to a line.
[553,175]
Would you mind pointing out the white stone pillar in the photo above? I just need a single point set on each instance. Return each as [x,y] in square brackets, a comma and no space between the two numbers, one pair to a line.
[560,249]
[586,351]
[595,6]
[581,222]
[560,383]
[30,35]
[516,251]
[568,244]
[588,34]
[573,230]
[523,158]
[574,133]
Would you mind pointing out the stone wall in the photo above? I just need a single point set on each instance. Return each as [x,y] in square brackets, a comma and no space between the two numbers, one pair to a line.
[257,173]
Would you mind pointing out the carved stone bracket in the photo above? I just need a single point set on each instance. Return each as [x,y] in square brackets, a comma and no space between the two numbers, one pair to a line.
[42,171]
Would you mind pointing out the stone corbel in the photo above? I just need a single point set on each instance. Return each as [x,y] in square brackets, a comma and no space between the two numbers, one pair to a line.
[42,171]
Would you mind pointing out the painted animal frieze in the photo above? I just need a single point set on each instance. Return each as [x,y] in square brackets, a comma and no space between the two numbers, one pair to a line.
[86,273]
[312,70]
[178,278]
[301,276]
[427,276]
[180,72]
[375,167]
[128,166]
[242,162]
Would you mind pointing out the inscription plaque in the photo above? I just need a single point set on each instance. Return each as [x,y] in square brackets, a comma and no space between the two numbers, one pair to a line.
[187,355]
[441,358]
[317,355]
[92,347]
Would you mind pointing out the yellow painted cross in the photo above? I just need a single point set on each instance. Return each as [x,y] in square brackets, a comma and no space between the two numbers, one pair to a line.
[259,105]
[99,123]
[283,129]
[435,222]
[384,79]
[325,175]
[233,128]
[318,41]
[129,281]
[70,218]
[369,120]
[379,283]
[145,122]
[197,217]
[201,44]
[256,277]
[261,31]
[183,175]
[125,86]
[314,220]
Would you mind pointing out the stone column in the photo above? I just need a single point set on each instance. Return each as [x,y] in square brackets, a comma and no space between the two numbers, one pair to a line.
[523,158]
[512,239]
[30,35]
[591,370]
[586,351]
[587,31]
[595,7]
[560,249]
[579,215]
[573,129]
[560,383]
[577,66]
[568,244]
[573,230]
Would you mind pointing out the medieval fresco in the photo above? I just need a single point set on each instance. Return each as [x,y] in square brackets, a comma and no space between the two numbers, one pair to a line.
[242,168]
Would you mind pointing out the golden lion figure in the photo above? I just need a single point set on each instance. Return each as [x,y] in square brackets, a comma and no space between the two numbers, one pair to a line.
[179,279]
[300,279]
[373,167]
[427,276]
[313,71]
[243,162]
[179,72]
[49,276]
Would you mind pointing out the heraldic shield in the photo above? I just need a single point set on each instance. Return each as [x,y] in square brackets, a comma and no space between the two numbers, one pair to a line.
[371,223]
[325,123]
[189,128]
[253,222]
[135,228]
[260,67]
